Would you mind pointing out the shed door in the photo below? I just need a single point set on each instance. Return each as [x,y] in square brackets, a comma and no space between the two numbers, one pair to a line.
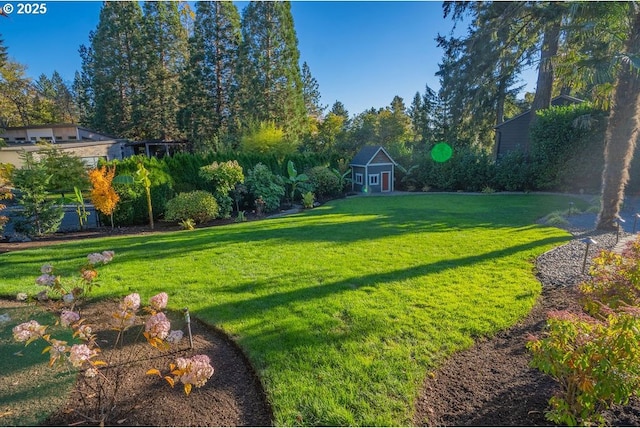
[386,181]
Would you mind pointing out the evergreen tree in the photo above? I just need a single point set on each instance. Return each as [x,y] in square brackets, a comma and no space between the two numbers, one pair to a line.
[209,106]
[3,53]
[111,71]
[311,93]
[53,102]
[165,54]
[269,71]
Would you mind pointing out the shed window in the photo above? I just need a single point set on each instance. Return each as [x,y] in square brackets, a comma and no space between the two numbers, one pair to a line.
[358,178]
[374,179]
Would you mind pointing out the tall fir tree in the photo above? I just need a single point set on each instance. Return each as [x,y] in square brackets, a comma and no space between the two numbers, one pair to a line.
[164,55]
[269,72]
[111,71]
[311,93]
[3,53]
[209,109]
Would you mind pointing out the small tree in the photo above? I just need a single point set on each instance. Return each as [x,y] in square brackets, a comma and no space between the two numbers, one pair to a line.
[5,192]
[103,195]
[66,170]
[224,176]
[41,215]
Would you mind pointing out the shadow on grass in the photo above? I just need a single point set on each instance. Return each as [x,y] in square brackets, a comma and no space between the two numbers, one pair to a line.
[344,222]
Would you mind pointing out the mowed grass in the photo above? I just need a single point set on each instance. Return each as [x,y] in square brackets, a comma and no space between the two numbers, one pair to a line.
[344,309]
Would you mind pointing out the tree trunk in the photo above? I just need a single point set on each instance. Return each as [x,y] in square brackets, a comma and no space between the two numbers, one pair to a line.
[544,85]
[622,133]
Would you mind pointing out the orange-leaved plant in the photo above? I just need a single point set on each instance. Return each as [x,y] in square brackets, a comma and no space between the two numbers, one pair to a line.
[103,195]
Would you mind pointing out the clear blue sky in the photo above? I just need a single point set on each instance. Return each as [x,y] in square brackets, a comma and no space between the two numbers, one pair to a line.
[361,53]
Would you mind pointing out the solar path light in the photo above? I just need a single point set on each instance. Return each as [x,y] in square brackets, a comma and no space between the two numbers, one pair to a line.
[187,319]
[619,220]
[635,221]
[589,241]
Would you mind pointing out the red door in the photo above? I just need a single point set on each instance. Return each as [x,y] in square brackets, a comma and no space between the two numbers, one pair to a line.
[386,181]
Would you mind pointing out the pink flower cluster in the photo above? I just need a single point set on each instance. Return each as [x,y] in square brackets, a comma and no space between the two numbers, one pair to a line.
[80,354]
[46,280]
[197,370]
[68,317]
[28,331]
[159,301]
[104,257]
[131,302]
[126,316]
[158,326]
[175,336]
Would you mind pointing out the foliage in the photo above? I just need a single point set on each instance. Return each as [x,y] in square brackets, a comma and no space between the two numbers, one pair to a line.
[6,170]
[567,148]
[163,52]
[294,180]
[514,172]
[614,281]
[102,376]
[134,207]
[270,86]
[40,215]
[467,170]
[103,195]
[262,183]
[188,224]
[594,361]
[81,208]
[266,137]
[308,199]
[66,170]
[224,177]
[595,358]
[199,206]
[109,86]
[325,182]
[210,76]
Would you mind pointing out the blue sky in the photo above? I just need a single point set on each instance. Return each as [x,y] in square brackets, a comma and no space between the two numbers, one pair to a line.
[361,53]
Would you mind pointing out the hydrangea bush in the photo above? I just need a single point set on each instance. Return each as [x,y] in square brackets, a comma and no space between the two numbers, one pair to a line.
[85,356]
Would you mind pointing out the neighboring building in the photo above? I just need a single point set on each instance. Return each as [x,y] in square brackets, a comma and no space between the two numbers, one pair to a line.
[88,145]
[513,134]
[372,170]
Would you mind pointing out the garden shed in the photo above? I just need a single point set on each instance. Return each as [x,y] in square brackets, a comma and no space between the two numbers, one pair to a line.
[372,170]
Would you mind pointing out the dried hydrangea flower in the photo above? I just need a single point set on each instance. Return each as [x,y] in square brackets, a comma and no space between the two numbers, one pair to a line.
[159,301]
[69,317]
[79,354]
[158,326]
[175,336]
[28,330]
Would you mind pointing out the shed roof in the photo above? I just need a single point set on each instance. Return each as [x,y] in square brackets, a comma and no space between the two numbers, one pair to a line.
[366,155]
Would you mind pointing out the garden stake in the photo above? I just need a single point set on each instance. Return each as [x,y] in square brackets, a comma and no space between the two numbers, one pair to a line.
[187,318]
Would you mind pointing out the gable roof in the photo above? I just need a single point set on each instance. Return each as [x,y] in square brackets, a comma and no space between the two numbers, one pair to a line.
[367,154]
[557,101]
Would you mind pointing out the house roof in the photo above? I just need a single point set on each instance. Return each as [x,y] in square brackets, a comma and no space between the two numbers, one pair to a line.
[554,102]
[366,155]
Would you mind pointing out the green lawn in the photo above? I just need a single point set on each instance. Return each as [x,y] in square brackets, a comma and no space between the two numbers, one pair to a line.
[343,309]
